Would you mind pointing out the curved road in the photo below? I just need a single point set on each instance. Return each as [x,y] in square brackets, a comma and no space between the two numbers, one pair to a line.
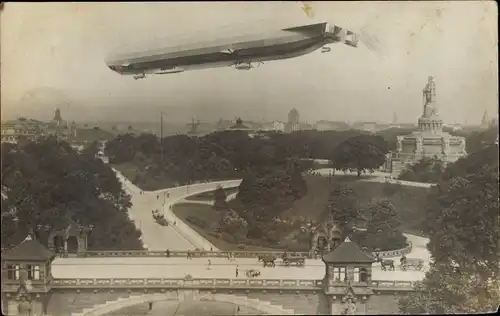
[182,237]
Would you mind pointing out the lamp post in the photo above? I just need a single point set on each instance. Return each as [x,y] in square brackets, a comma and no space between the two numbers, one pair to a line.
[161,135]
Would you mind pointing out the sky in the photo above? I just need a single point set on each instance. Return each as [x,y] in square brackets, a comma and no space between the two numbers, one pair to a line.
[52,55]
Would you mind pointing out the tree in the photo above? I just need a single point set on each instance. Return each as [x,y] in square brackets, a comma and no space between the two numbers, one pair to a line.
[48,183]
[428,170]
[462,222]
[383,229]
[220,203]
[446,291]
[343,208]
[361,153]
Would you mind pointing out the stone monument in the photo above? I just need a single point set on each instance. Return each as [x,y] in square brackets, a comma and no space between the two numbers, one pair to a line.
[429,140]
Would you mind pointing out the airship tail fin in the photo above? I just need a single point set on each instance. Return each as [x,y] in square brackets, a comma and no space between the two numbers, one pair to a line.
[310,28]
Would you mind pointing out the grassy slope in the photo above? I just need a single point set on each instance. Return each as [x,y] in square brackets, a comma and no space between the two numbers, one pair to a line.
[207,215]
[409,202]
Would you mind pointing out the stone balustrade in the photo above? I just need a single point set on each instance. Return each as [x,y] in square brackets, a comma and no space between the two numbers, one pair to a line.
[223,284]
[395,253]
[183,253]
[220,254]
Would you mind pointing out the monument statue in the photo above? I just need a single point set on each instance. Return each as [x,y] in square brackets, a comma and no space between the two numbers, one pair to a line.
[429,94]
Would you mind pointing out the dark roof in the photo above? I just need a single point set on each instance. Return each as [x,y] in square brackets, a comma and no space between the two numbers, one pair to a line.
[239,125]
[29,249]
[348,252]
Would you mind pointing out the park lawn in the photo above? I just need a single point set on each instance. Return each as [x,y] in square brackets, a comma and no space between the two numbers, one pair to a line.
[201,217]
[408,201]
[209,196]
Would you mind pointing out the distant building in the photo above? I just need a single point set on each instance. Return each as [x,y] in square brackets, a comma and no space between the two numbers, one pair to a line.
[324,125]
[485,122]
[293,123]
[239,126]
[371,127]
[306,127]
[59,127]
[14,131]
[274,126]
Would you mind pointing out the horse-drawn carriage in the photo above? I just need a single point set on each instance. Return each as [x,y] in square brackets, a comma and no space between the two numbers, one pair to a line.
[267,260]
[252,273]
[417,264]
[159,218]
[295,259]
[385,264]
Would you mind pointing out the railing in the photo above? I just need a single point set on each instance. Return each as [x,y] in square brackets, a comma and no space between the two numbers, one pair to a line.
[263,284]
[178,254]
[395,253]
[188,283]
[220,254]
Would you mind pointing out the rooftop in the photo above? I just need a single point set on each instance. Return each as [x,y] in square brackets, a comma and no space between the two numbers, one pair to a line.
[29,249]
[348,252]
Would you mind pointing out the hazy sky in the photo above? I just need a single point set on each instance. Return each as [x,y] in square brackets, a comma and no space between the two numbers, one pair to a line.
[53,55]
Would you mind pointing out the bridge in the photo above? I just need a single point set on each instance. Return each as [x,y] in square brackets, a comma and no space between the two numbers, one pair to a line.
[103,282]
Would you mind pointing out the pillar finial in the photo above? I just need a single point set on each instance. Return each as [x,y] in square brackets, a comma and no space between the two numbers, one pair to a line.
[347,239]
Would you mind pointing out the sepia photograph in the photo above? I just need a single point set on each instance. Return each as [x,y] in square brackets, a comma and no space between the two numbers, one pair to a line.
[249,158]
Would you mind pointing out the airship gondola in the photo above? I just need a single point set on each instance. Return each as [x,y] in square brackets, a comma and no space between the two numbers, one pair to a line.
[239,52]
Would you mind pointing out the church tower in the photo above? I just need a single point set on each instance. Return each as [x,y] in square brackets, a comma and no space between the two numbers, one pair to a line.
[395,118]
[57,115]
[485,121]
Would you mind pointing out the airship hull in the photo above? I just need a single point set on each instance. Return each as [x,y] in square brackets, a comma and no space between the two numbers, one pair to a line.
[224,52]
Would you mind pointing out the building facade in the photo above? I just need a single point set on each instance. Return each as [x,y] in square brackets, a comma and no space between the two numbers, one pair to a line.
[21,129]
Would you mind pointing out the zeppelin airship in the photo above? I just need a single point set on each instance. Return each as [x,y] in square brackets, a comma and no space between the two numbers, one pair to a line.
[240,52]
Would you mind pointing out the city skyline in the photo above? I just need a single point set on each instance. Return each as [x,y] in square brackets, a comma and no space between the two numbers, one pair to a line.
[65,64]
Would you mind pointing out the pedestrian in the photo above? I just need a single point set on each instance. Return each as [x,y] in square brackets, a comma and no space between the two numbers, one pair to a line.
[211,249]
[150,305]
[209,264]
[168,253]
[187,255]
[237,271]
[157,196]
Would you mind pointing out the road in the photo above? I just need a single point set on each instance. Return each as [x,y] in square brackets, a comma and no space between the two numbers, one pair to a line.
[123,268]
[376,176]
[179,236]
[183,237]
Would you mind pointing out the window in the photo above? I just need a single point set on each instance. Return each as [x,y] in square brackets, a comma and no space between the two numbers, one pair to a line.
[363,275]
[13,272]
[33,272]
[356,274]
[339,274]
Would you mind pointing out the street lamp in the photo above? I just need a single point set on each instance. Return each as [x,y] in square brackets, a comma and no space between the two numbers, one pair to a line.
[161,134]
